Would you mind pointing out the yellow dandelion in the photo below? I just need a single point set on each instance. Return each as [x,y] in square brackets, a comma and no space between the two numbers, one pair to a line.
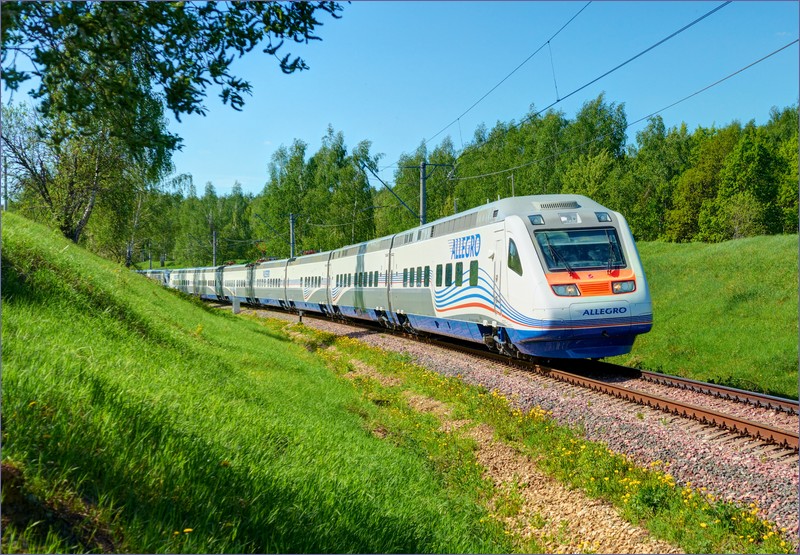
[187,530]
[703,525]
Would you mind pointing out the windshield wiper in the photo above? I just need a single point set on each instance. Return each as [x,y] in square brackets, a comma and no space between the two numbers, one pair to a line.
[612,259]
[555,254]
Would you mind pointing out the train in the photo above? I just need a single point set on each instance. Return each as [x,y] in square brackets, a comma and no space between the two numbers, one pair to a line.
[542,276]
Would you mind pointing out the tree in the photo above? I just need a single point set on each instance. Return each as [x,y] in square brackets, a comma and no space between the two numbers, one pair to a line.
[696,188]
[99,59]
[282,195]
[61,177]
[589,176]
[749,180]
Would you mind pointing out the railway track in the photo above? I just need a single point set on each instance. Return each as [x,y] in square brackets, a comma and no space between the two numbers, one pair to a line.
[611,379]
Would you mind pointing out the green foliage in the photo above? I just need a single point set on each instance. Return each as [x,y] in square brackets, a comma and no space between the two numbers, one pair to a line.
[95,58]
[723,312]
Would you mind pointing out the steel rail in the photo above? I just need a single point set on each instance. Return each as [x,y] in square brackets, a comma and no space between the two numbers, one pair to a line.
[721,391]
[685,410]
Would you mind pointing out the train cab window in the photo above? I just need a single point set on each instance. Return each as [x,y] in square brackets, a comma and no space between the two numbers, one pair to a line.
[514,261]
[419,276]
[438,275]
[427,276]
[459,273]
[473,273]
[448,275]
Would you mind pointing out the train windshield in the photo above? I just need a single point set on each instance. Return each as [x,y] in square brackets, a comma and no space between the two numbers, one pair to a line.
[581,249]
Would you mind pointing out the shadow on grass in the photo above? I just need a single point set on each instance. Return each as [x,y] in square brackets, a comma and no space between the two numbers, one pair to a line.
[178,479]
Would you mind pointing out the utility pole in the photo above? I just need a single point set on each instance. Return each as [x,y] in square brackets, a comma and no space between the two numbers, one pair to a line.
[291,235]
[423,177]
[512,184]
[214,246]
[5,182]
[423,204]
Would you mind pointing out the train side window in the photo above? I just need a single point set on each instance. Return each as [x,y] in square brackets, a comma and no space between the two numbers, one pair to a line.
[411,277]
[459,273]
[369,279]
[514,261]
[473,273]
[438,275]
[405,277]
[377,275]
[448,275]
[419,276]
[427,276]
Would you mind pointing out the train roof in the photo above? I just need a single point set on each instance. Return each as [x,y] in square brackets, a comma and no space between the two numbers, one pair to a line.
[494,211]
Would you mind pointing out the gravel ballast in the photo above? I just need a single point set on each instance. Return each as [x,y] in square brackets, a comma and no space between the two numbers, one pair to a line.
[645,435]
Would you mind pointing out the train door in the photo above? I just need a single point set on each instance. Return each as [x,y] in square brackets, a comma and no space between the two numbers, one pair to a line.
[499,251]
[218,283]
[250,284]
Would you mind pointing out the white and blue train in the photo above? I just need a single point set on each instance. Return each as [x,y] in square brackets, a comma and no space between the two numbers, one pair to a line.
[550,276]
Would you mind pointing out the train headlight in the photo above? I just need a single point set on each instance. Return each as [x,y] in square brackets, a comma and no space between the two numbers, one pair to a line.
[570,290]
[623,286]
[603,216]
[536,219]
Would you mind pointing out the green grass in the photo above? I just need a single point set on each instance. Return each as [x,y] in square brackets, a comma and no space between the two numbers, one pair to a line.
[649,497]
[144,421]
[184,429]
[726,313]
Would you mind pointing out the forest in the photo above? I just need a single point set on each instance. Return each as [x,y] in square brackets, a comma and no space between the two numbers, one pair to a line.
[708,184]
[92,157]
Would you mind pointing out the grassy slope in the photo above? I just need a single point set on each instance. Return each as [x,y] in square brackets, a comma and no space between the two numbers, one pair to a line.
[726,312]
[197,431]
[153,424]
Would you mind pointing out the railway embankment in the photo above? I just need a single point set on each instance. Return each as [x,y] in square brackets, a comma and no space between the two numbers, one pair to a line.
[137,419]
[723,313]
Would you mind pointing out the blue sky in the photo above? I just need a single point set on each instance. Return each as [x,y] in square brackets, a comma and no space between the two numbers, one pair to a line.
[396,73]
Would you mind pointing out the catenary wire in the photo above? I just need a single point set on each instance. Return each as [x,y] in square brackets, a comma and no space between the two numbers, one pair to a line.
[503,80]
[719,81]
[607,73]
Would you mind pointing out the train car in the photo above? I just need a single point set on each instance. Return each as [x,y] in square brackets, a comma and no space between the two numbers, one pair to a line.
[307,283]
[551,276]
[269,287]
[360,277]
[160,275]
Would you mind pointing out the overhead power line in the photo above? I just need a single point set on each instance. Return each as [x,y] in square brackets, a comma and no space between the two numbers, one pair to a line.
[606,74]
[601,137]
[503,80]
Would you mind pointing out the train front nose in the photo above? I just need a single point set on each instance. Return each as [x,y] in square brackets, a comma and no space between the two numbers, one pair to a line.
[600,319]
